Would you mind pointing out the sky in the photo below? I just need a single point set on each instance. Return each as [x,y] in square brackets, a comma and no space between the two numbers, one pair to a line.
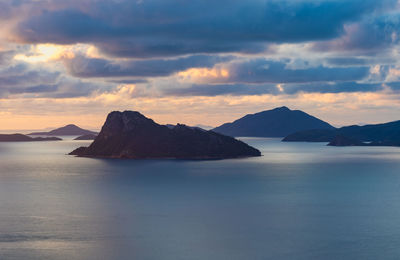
[197,61]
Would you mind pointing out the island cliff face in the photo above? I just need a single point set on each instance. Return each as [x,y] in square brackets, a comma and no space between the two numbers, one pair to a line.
[129,134]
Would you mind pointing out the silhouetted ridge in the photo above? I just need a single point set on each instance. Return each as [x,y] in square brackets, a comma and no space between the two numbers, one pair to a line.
[341,140]
[66,130]
[86,137]
[387,134]
[25,138]
[278,122]
[314,135]
[129,134]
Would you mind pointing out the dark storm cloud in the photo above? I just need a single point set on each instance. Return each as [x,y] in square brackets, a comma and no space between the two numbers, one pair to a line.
[393,85]
[26,80]
[5,91]
[267,71]
[84,67]
[38,89]
[347,61]
[21,75]
[157,38]
[5,10]
[5,57]
[338,87]
[168,28]
[371,36]
[128,81]
[70,88]
[222,89]
[260,89]
[62,89]
[20,78]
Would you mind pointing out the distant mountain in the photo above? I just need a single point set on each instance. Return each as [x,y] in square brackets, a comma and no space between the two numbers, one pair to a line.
[129,134]
[86,137]
[205,127]
[66,130]
[278,122]
[171,126]
[25,138]
[378,134]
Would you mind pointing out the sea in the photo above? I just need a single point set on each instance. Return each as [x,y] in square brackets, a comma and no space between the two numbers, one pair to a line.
[297,201]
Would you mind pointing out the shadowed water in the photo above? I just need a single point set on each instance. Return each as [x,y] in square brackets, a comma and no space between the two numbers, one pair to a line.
[298,201]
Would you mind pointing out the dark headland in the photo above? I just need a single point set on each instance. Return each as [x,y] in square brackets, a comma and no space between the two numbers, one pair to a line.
[86,137]
[25,138]
[341,140]
[387,134]
[131,135]
[66,130]
[278,122]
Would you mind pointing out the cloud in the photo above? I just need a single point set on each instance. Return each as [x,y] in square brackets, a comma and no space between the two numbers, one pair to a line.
[269,71]
[347,61]
[64,88]
[72,88]
[370,36]
[25,80]
[261,70]
[5,10]
[21,75]
[158,28]
[128,81]
[337,87]
[84,67]
[395,86]
[5,57]
[34,89]
[273,89]
[221,89]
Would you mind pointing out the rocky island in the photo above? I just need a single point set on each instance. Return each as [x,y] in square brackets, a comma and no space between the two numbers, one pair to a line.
[25,138]
[131,135]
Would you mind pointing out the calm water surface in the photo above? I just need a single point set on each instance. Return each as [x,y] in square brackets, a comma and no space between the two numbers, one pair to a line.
[298,201]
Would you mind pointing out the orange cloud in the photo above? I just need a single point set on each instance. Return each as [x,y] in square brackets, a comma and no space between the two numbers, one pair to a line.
[203,74]
[53,52]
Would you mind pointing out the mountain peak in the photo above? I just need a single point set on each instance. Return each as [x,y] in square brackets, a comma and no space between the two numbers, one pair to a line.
[70,126]
[125,121]
[283,108]
[69,129]
[278,122]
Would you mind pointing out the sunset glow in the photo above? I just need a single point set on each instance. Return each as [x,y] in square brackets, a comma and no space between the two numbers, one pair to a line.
[95,60]
[46,53]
